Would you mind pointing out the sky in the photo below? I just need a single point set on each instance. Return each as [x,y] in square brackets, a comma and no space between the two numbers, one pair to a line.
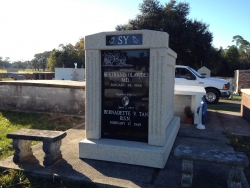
[28,27]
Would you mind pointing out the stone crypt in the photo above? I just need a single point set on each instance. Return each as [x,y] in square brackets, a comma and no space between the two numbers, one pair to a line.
[129,98]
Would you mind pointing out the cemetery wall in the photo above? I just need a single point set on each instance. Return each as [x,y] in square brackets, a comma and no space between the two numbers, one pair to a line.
[242,80]
[68,98]
[245,104]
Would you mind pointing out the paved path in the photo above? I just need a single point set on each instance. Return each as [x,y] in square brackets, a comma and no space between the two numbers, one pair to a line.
[122,175]
[232,123]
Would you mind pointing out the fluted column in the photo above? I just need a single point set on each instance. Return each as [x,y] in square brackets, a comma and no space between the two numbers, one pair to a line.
[93,94]
[161,89]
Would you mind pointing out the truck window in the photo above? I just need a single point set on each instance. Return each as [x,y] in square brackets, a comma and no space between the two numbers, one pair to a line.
[184,73]
[196,73]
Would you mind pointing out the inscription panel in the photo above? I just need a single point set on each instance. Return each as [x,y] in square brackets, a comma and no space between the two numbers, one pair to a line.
[121,40]
[125,92]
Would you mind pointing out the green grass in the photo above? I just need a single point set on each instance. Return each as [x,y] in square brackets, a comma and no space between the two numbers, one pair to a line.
[29,71]
[223,108]
[3,71]
[22,70]
[20,179]
[236,97]
[232,105]
[6,79]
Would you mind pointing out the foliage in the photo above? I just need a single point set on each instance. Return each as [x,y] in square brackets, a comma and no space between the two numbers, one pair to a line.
[232,56]
[81,51]
[21,65]
[188,112]
[244,50]
[40,60]
[190,39]
[235,57]
[13,178]
[241,144]
[4,63]
[67,55]
[215,61]
[53,60]
[20,179]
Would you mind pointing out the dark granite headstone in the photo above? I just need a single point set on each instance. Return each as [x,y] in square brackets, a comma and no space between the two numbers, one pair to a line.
[125,92]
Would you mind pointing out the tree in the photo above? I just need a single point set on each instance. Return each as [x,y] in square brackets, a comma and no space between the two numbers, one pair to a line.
[244,50]
[35,64]
[80,52]
[67,55]
[190,39]
[18,65]
[4,63]
[53,60]
[232,58]
[40,60]
[7,59]
[216,61]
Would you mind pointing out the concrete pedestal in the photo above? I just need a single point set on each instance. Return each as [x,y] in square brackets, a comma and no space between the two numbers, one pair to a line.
[135,153]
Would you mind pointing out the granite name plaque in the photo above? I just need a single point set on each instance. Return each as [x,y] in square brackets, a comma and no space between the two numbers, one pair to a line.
[119,40]
[125,92]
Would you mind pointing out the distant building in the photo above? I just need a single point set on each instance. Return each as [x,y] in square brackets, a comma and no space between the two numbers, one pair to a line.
[66,73]
[12,70]
[204,71]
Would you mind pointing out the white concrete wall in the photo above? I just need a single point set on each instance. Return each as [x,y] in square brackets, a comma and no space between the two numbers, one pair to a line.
[187,96]
[65,73]
[69,99]
[42,97]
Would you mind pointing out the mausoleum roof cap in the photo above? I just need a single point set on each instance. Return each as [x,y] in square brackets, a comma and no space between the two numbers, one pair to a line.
[150,39]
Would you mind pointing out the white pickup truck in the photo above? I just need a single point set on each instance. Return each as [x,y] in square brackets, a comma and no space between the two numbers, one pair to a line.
[215,88]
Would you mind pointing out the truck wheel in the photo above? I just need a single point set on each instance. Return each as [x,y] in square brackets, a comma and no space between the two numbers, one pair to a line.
[212,96]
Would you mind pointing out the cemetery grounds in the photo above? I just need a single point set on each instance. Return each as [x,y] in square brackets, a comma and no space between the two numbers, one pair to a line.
[13,120]
[10,121]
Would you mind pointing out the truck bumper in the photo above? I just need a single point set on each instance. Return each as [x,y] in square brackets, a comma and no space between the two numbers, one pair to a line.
[225,93]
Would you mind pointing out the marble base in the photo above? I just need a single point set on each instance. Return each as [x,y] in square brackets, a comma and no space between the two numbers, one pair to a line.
[129,152]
